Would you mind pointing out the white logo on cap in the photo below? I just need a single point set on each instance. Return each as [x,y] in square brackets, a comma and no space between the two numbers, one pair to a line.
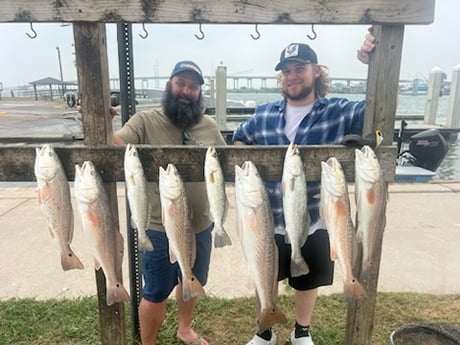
[291,50]
[187,65]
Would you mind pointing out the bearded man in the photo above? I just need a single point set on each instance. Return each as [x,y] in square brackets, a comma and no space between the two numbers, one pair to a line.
[179,121]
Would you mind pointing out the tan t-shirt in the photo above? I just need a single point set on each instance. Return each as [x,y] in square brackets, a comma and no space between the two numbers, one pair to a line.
[152,127]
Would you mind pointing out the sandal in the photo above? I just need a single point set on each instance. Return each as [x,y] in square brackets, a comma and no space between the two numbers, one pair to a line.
[197,341]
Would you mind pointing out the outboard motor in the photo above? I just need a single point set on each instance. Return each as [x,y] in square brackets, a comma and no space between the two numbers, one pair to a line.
[428,149]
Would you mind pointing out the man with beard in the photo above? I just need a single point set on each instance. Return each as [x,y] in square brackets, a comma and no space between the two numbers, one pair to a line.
[305,117]
[179,121]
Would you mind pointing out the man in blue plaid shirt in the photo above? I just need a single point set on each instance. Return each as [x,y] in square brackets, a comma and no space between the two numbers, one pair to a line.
[305,117]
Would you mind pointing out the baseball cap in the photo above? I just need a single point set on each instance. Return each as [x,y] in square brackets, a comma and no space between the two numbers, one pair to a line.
[297,52]
[186,65]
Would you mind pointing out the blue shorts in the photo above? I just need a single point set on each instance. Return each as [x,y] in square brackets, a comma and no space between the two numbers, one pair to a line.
[160,276]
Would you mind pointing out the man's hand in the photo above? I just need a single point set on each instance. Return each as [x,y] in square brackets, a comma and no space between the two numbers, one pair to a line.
[368,47]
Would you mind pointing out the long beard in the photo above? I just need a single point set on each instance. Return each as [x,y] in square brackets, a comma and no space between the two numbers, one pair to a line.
[304,93]
[181,115]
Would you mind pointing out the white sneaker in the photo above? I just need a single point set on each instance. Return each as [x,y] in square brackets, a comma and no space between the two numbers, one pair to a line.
[301,341]
[256,340]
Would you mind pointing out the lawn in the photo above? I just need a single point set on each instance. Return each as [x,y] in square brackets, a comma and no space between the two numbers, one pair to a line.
[222,321]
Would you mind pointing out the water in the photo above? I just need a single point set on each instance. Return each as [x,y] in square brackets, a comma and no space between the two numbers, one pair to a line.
[450,167]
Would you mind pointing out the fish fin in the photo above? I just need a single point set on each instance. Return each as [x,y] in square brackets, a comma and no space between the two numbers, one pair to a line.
[211,177]
[116,294]
[43,193]
[299,267]
[145,244]
[97,265]
[120,251]
[287,240]
[221,238]
[93,216]
[70,261]
[333,253]
[353,290]
[269,317]
[193,253]
[252,219]
[371,196]
[172,257]
[192,289]
[291,183]
[130,180]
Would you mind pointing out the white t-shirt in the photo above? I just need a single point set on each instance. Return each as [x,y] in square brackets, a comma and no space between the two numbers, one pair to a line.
[294,116]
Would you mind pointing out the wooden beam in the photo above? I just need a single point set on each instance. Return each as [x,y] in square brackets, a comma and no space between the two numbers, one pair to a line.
[383,81]
[221,12]
[93,81]
[17,160]
[381,98]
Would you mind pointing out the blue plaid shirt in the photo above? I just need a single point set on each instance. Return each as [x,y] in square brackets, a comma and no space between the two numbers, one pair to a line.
[328,122]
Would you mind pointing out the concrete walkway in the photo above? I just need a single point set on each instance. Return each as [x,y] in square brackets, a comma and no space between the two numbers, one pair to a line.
[421,248]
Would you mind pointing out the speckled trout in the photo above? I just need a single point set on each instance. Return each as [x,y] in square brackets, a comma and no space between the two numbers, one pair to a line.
[218,203]
[138,196]
[335,211]
[256,230]
[371,200]
[54,199]
[105,240]
[295,209]
[176,217]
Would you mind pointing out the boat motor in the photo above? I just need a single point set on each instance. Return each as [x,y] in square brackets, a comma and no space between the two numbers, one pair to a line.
[428,149]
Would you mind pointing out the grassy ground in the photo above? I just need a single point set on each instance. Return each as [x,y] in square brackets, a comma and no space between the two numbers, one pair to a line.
[223,321]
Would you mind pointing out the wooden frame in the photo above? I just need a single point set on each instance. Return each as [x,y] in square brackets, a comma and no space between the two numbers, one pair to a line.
[387,17]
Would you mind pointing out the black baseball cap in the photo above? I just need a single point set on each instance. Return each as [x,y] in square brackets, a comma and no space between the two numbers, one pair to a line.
[297,52]
[187,65]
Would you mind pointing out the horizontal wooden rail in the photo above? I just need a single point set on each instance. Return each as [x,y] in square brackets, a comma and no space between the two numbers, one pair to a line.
[18,160]
[221,12]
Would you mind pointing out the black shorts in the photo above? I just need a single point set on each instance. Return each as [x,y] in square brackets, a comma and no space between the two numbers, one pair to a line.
[316,252]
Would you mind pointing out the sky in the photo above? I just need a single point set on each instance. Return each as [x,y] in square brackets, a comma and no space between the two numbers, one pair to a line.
[425,47]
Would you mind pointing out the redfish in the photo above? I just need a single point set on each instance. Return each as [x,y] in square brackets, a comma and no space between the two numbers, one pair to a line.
[295,208]
[54,199]
[218,203]
[104,238]
[176,217]
[335,211]
[256,228]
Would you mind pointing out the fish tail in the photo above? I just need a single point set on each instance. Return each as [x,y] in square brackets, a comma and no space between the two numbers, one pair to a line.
[221,238]
[70,261]
[144,243]
[354,290]
[116,293]
[299,267]
[269,317]
[191,289]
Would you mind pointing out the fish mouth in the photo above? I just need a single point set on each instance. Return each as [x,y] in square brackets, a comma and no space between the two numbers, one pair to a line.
[131,149]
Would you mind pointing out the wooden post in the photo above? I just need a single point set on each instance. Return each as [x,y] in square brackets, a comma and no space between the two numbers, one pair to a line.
[93,81]
[382,88]
[453,113]
[221,97]
[434,91]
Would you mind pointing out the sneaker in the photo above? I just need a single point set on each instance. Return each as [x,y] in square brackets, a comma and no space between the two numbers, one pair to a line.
[301,341]
[256,340]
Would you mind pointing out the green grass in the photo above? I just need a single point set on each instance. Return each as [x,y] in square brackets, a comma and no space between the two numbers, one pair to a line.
[223,321]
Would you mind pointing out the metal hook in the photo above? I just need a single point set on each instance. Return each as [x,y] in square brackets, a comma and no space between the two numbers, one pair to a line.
[258,34]
[34,32]
[201,32]
[146,34]
[314,32]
